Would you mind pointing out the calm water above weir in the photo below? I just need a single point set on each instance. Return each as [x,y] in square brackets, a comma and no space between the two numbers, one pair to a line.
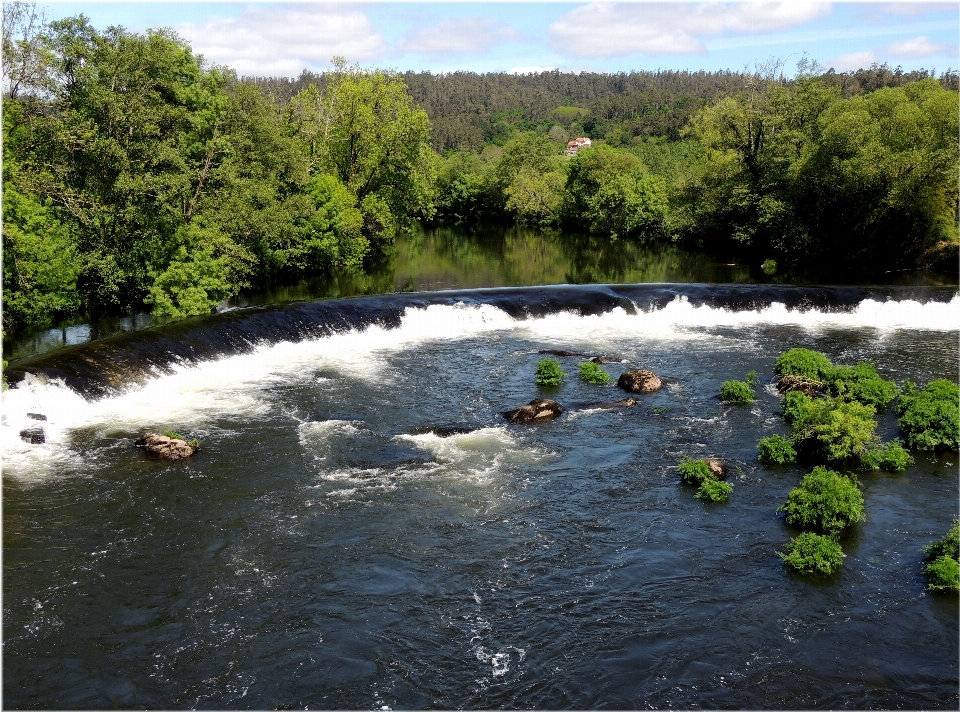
[326,549]
[456,258]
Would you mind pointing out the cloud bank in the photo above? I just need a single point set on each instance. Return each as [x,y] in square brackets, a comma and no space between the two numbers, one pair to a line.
[284,39]
[610,30]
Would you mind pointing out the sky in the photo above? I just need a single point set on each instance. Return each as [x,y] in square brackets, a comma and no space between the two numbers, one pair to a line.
[284,38]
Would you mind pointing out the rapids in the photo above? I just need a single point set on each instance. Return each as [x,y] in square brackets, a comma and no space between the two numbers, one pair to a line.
[326,548]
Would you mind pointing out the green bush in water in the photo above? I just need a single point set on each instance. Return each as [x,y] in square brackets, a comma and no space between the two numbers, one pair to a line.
[891,456]
[810,553]
[930,418]
[804,363]
[592,373]
[549,373]
[776,449]
[943,574]
[698,472]
[694,472]
[949,545]
[943,568]
[831,428]
[825,501]
[861,383]
[736,392]
[173,436]
[714,490]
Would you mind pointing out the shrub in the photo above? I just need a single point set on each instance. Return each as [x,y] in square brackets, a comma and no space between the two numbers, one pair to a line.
[891,456]
[804,363]
[695,472]
[861,383]
[592,373]
[776,449]
[736,392]
[549,373]
[811,553]
[714,490]
[831,428]
[943,574]
[794,403]
[930,418]
[949,545]
[824,500]
[769,266]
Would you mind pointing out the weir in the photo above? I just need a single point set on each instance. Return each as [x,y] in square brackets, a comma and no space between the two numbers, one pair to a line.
[99,368]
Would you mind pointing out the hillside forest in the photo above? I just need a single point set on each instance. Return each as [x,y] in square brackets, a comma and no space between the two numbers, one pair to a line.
[136,175]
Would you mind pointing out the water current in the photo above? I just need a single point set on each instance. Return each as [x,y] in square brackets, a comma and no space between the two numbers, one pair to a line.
[332,545]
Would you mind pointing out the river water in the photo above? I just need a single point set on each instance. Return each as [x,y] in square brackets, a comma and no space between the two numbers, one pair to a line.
[326,548]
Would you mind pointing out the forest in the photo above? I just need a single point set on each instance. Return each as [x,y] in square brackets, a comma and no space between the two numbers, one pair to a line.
[137,176]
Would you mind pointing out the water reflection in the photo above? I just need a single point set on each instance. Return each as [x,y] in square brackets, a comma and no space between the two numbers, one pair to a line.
[438,258]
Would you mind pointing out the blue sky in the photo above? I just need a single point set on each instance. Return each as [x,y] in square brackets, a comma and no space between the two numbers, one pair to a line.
[283,38]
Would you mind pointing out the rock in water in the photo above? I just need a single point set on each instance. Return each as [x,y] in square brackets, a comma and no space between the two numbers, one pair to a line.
[34,435]
[539,409]
[603,359]
[717,468]
[639,381]
[166,448]
[36,416]
[559,352]
[625,403]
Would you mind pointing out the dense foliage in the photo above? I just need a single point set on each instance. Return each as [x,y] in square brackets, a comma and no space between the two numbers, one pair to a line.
[891,456]
[549,372]
[861,383]
[828,428]
[824,500]
[135,174]
[942,565]
[776,449]
[930,418]
[803,363]
[810,553]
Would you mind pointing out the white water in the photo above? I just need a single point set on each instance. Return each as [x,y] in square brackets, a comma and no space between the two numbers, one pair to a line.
[194,396]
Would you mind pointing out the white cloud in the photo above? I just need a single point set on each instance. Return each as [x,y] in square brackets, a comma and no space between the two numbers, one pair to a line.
[610,30]
[914,49]
[852,61]
[471,34]
[285,39]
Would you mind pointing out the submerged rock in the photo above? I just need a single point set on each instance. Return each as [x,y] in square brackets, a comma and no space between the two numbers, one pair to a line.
[604,359]
[34,435]
[560,352]
[36,416]
[539,409]
[717,468]
[639,381]
[166,448]
[625,403]
[449,431]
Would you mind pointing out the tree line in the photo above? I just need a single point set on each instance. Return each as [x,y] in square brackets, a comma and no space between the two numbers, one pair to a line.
[135,174]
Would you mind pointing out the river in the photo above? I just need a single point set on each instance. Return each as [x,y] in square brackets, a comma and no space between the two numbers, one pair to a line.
[331,546]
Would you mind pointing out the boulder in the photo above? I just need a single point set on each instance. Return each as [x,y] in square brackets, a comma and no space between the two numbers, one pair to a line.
[449,431]
[166,448]
[625,403]
[33,435]
[559,352]
[717,468]
[603,359]
[537,410]
[36,416]
[639,381]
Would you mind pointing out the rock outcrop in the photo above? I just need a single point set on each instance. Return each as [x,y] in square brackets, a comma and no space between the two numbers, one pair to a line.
[639,381]
[537,410]
[33,435]
[166,448]
[625,403]
[717,468]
